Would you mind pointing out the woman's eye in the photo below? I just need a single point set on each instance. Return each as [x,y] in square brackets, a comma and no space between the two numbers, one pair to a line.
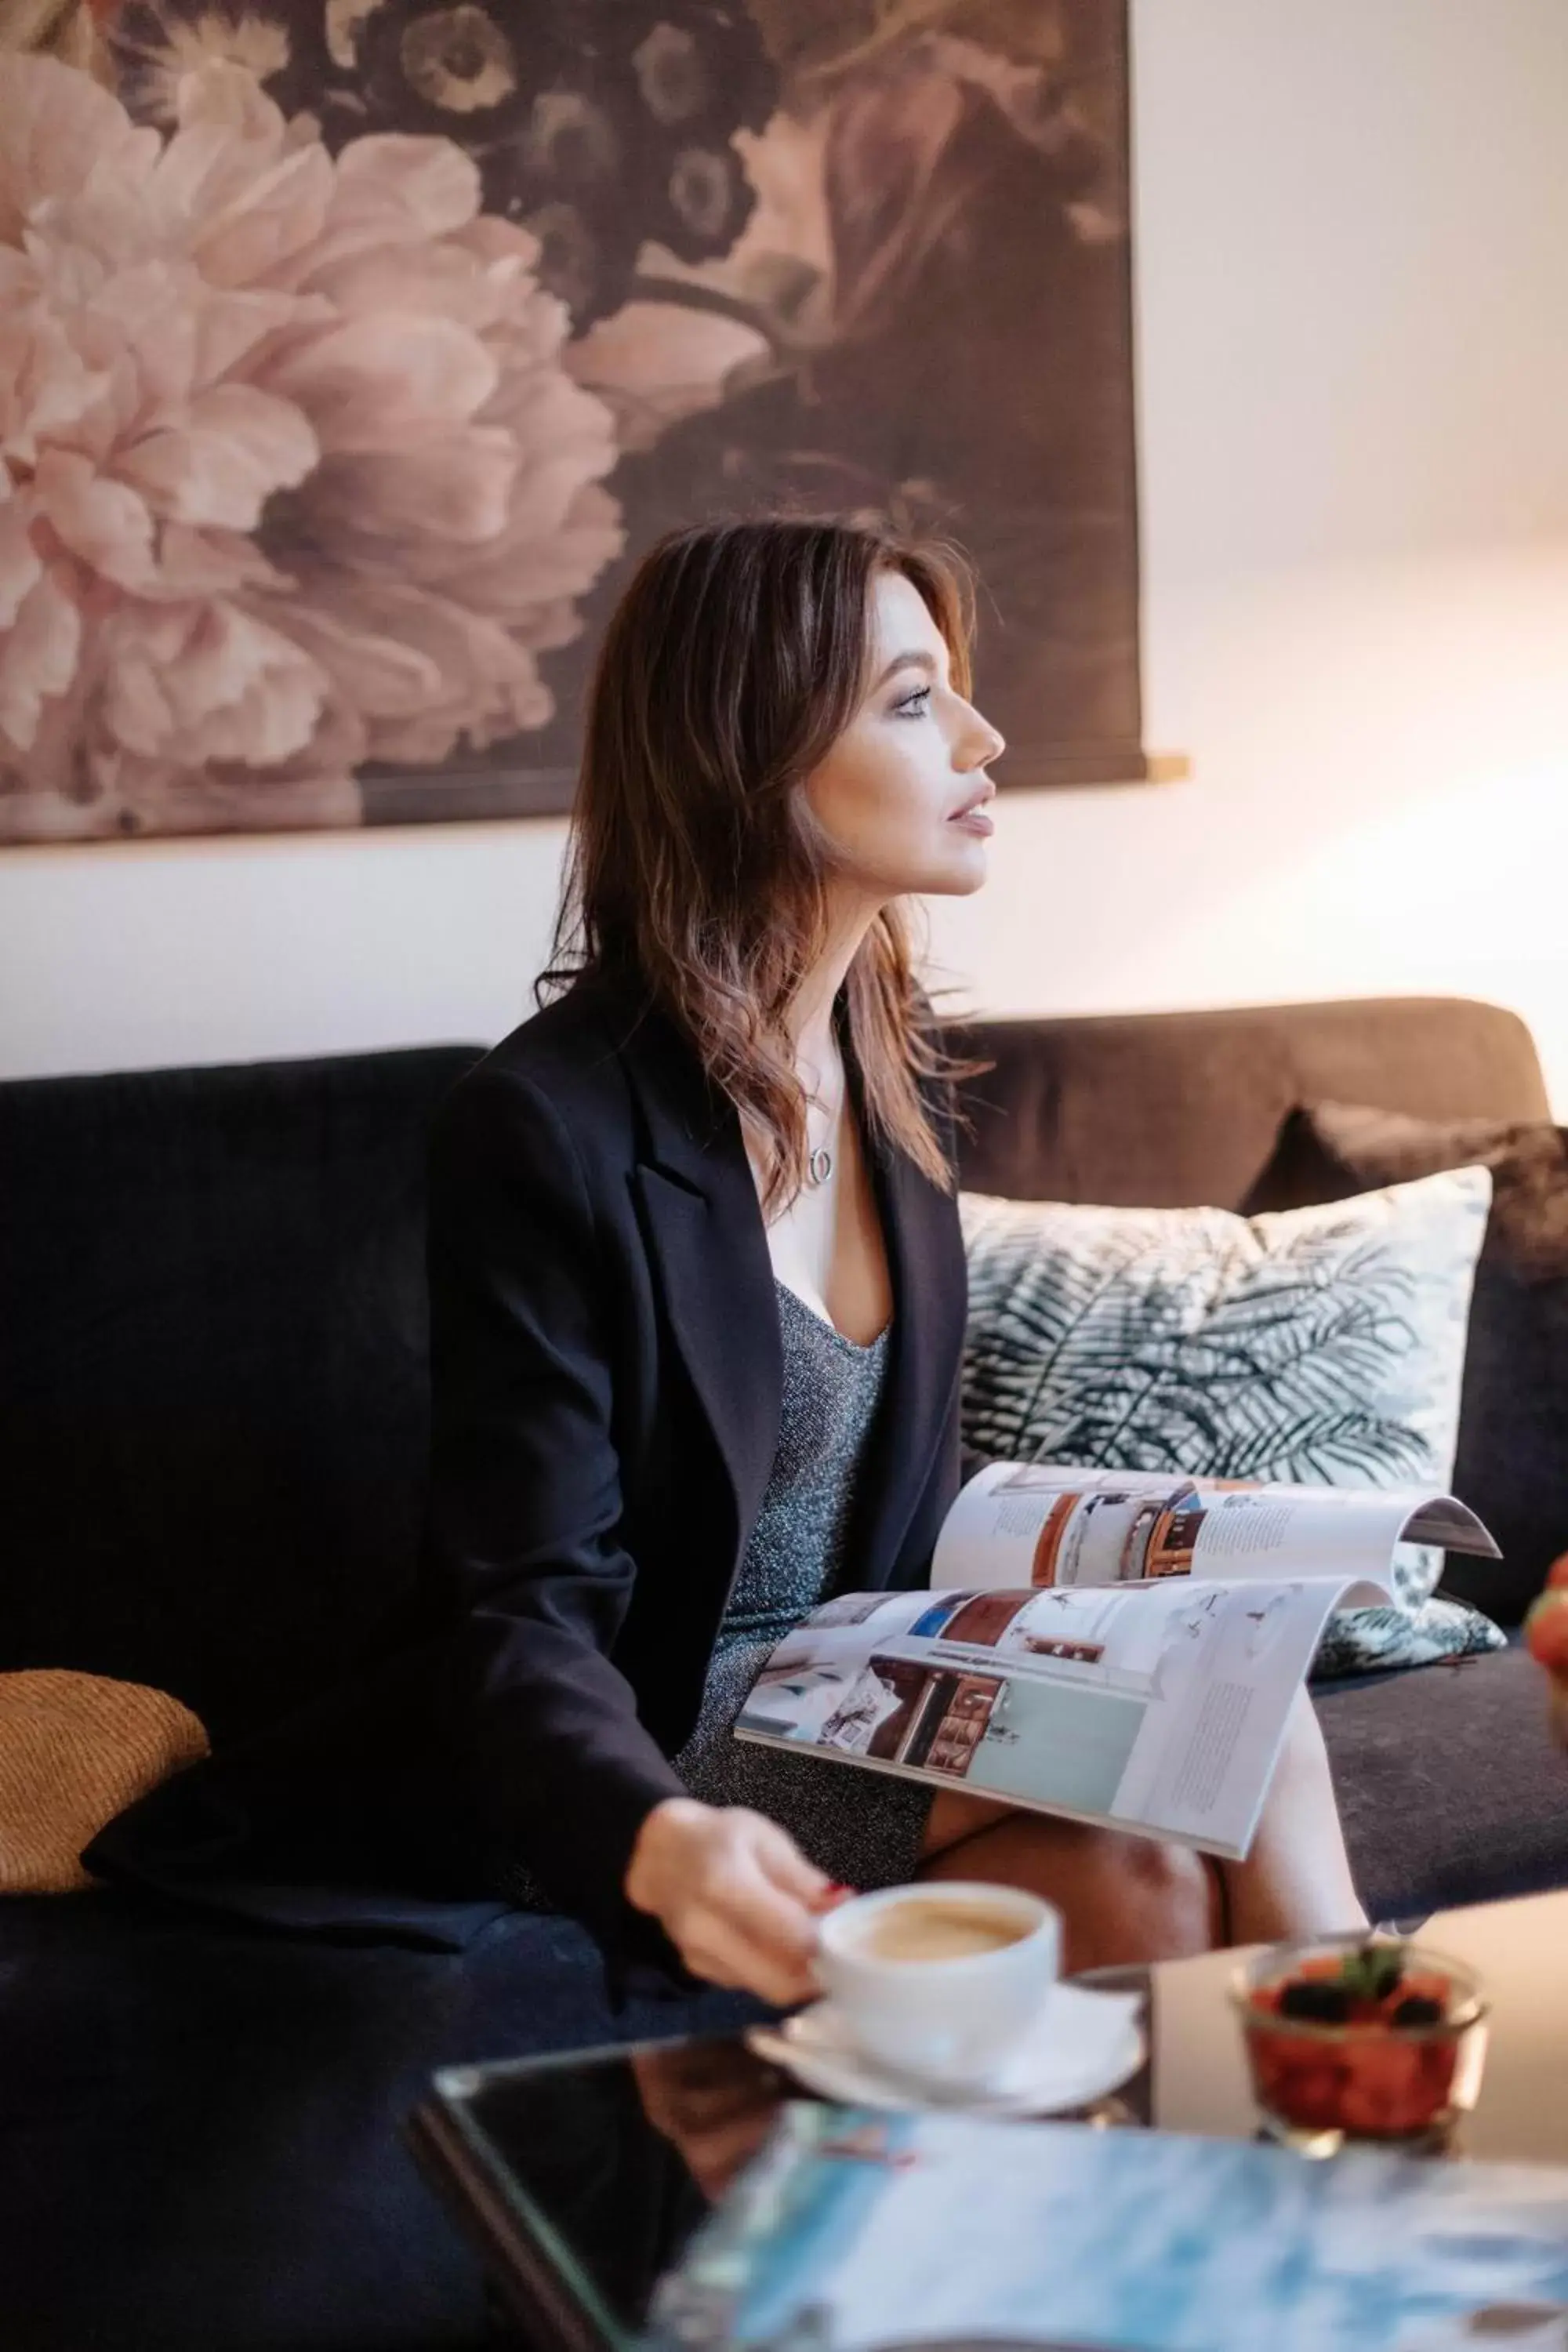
[913,706]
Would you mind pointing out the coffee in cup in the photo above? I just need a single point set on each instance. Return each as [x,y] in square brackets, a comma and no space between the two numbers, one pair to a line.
[928,1927]
[940,1981]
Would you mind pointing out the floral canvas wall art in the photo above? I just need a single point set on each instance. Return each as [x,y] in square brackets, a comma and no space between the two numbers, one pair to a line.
[352,351]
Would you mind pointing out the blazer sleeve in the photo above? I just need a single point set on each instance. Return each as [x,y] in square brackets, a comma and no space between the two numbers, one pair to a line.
[525,1507]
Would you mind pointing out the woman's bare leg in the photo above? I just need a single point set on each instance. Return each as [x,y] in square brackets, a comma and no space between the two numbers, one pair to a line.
[1123,1899]
[1297,1880]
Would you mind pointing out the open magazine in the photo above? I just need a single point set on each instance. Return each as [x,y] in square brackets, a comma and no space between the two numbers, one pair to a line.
[1112,1645]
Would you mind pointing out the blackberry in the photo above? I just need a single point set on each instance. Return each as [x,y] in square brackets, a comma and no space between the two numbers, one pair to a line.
[1311,1999]
[1418,2008]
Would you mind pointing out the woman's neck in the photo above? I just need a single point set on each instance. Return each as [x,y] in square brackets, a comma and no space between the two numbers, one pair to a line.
[809,1019]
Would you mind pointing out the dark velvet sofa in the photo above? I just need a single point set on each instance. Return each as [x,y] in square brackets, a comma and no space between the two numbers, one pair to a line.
[212,1414]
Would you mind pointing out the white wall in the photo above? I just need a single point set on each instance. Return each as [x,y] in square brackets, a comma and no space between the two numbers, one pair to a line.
[1352,258]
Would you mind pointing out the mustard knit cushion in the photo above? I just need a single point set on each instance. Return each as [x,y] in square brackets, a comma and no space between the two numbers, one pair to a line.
[75,1750]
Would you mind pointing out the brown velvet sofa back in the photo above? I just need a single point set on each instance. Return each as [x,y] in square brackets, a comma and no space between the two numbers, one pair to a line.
[1182,1109]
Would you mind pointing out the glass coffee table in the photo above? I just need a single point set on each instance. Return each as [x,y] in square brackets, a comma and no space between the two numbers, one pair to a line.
[580,2178]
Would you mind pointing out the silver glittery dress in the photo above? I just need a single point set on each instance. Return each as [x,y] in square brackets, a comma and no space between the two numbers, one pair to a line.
[863,1829]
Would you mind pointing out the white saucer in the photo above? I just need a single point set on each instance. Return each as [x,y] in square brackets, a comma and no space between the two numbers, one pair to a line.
[1085,2044]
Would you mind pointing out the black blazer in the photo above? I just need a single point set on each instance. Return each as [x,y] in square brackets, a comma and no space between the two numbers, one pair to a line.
[605,1391]
[607,1373]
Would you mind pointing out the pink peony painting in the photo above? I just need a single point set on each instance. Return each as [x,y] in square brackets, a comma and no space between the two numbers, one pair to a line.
[351,351]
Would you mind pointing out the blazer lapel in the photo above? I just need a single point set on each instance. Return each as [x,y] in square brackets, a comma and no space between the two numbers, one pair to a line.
[926,1262]
[706,1234]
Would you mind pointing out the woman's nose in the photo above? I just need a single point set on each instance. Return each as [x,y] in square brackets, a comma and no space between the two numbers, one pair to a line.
[980,744]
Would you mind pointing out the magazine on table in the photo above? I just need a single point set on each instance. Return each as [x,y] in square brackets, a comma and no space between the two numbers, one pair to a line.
[851,2231]
[1115,1646]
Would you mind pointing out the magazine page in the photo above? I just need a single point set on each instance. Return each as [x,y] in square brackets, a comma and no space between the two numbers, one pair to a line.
[1046,1525]
[1158,1707]
[850,2230]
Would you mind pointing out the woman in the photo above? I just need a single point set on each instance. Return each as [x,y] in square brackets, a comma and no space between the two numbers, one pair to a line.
[697,1290]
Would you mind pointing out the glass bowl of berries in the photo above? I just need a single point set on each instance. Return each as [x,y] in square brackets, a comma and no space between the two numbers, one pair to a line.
[1352,2039]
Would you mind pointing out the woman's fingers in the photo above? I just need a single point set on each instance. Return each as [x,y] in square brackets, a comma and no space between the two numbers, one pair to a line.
[782,1861]
[756,1914]
[728,1953]
[738,1898]
[763,1940]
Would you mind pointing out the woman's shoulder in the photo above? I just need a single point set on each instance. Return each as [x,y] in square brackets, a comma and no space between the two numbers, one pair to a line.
[530,1151]
[567,1058]
[584,1066]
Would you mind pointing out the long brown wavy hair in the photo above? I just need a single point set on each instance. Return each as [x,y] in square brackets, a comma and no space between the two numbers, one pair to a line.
[734,660]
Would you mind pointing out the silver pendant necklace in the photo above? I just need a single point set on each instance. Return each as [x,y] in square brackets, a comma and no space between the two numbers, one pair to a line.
[819,1163]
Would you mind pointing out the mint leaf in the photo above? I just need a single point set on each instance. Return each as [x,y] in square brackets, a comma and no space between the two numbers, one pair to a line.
[1372,1972]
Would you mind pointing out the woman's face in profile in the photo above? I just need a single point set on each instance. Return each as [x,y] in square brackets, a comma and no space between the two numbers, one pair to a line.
[901,795]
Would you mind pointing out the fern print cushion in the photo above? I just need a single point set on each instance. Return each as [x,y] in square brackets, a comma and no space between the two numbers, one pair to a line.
[1322,1344]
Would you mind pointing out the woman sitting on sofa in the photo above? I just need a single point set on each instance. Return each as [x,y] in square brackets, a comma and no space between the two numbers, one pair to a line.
[698,1293]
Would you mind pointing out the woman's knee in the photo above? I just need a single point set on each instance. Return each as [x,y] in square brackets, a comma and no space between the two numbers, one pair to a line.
[1168,1897]
[1171,1874]
[1123,1899]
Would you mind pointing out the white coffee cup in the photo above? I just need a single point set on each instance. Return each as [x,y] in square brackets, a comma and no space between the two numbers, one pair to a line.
[941,1981]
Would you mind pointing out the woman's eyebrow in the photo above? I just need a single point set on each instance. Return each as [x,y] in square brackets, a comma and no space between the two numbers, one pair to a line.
[910,661]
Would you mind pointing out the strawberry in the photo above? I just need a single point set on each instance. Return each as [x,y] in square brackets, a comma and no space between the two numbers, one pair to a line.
[1546,1630]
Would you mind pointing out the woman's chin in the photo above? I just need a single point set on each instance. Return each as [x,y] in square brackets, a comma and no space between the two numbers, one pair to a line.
[966,867]
[957,870]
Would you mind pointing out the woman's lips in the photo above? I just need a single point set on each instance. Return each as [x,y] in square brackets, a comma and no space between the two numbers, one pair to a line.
[972,820]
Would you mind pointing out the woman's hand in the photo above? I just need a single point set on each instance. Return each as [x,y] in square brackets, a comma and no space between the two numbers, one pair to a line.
[733,1893]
